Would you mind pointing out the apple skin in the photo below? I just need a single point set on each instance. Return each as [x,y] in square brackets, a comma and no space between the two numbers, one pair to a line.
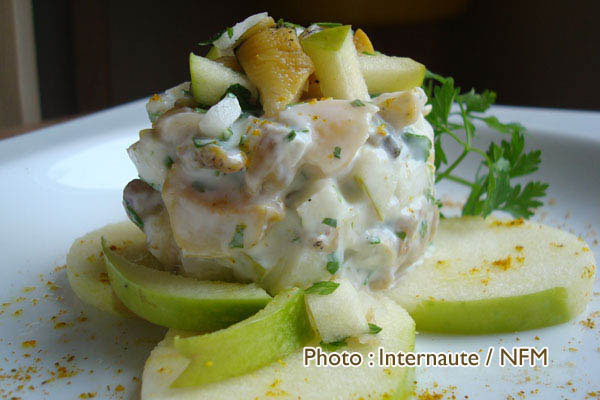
[279,329]
[493,275]
[501,314]
[179,302]
[336,63]
[387,74]
[288,378]
[211,79]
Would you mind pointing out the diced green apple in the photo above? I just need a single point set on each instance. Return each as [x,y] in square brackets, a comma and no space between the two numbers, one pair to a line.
[278,330]
[322,202]
[211,79]
[487,276]
[288,378]
[374,173]
[86,270]
[385,74]
[214,53]
[181,302]
[215,122]
[338,315]
[336,63]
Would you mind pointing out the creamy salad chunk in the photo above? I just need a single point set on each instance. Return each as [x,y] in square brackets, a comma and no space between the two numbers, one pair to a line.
[326,188]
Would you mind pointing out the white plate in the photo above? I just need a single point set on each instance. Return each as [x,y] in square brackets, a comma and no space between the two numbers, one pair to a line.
[63,181]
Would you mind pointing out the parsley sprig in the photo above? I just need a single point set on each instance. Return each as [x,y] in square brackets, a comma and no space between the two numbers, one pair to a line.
[491,188]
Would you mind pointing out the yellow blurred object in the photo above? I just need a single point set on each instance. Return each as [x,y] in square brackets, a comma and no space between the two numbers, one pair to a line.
[362,42]
[274,61]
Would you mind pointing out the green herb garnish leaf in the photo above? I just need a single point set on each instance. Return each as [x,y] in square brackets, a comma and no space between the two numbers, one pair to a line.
[337,152]
[244,98]
[332,263]
[212,39]
[323,288]
[374,329]
[291,135]
[333,346]
[357,103]
[419,145]
[330,221]
[133,216]
[492,188]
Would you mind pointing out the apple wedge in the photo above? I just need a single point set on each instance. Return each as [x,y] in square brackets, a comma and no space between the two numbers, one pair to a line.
[271,334]
[86,270]
[336,63]
[492,275]
[288,378]
[386,74]
[179,302]
[210,80]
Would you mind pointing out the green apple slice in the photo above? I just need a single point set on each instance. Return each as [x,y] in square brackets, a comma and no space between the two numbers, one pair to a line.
[288,378]
[487,276]
[271,334]
[211,79]
[386,74]
[86,270]
[336,63]
[180,302]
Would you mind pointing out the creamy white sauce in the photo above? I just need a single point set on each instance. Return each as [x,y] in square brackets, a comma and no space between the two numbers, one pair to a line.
[325,187]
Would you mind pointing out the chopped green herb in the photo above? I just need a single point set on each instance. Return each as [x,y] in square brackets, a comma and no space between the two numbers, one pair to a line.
[305,130]
[333,346]
[244,97]
[237,241]
[330,221]
[401,235]
[285,24]
[332,263]
[217,173]
[230,32]
[366,53]
[328,24]
[227,133]
[291,136]
[212,39]
[187,92]
[323,288]
[198,142]
[357,103]
[169,162]
[200,110]
[374,329]
[133,216]
[374,240]
[423,229]
[337,152]
[491,189]
[419,145]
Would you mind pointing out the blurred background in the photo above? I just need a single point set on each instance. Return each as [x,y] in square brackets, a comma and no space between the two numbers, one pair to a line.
[61,58]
